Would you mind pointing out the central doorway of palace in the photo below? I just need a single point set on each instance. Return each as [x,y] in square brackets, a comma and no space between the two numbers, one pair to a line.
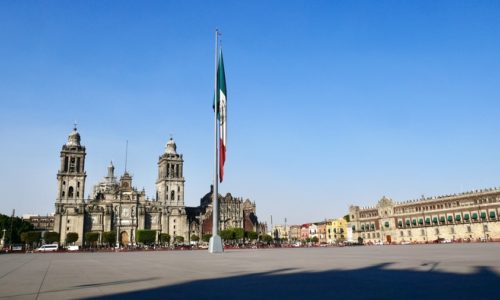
[389,239]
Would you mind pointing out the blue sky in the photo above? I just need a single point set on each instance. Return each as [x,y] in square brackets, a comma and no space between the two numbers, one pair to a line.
[331,103]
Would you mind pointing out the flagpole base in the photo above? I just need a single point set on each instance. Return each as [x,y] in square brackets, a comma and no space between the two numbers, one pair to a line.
[215,245]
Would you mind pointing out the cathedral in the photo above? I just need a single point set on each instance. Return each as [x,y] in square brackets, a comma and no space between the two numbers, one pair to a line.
[115,205]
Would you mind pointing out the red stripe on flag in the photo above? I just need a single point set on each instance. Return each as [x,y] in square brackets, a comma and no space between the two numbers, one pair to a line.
[222,159]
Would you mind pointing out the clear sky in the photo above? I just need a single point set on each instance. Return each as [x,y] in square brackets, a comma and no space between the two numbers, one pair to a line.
[331,103]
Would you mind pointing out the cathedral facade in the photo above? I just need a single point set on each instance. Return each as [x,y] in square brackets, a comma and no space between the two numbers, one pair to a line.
[115,205]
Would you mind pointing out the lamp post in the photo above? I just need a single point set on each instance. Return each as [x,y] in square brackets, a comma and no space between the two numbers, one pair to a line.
[118,227]
[3,238]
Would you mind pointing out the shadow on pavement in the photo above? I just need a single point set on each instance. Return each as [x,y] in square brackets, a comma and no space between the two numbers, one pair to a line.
[376,282]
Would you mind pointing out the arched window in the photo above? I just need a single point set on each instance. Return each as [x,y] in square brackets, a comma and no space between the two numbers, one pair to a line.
[70,192]
[172,195]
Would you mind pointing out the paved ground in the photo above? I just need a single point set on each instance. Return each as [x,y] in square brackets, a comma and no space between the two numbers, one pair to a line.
[377,272]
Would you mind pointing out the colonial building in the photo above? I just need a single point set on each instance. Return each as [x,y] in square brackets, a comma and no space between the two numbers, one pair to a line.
[115,205]
[470,216]
[337,231]
[43,223]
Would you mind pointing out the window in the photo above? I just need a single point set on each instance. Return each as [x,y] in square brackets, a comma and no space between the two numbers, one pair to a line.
[172,195]
[485,228]
[452,230]
[402,233]
[437,230]
[70,192]
[409,232]
[422,232]
[469,229]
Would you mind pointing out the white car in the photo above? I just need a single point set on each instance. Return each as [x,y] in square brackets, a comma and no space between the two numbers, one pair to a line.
[48,248]
[73,248]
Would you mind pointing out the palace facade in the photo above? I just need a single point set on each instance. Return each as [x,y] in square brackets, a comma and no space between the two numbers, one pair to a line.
[115,205]
[470,216]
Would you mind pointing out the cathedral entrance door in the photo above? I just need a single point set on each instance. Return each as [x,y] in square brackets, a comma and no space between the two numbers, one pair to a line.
[389,239]
[124,238]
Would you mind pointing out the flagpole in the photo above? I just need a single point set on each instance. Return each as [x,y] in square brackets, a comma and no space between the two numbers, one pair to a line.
[215,244]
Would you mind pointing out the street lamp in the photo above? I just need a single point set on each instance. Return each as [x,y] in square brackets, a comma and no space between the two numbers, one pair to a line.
[118,227]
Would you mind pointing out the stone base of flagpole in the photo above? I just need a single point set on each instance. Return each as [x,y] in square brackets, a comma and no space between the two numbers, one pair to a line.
[215,244]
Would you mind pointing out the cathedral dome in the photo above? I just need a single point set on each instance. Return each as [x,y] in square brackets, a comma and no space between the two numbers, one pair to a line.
[73,138]
[171,147]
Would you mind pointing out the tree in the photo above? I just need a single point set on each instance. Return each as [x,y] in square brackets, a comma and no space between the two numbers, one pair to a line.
[195,238]
[238,233]
[206,238]
[165,238]
[179,239]
[145,236]
[71,237]
[360,240]
[266,238]
[31,237]
[314,239]
[18,226]
[91,237]
[252,235]
[51,237]
[109,238]
[347,218]
[227,234]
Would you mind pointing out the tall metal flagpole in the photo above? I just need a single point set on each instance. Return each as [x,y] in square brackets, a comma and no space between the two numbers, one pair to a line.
[215,244]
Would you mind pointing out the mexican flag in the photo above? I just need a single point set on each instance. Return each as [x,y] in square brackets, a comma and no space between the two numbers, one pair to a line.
[221,114]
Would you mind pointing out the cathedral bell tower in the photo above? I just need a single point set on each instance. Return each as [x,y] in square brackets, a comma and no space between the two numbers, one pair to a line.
[170,183]
[70,205]
[71,175]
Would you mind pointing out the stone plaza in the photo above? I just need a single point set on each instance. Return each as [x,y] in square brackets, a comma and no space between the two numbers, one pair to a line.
[434,271]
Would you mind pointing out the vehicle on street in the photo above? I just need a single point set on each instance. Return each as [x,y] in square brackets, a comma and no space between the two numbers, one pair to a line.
[73,248]
[48,248]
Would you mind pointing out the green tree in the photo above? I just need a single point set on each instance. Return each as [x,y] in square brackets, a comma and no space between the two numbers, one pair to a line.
[239,233]
[347,218]
[195,238]
[91,237]
[227,234]
[109,238]
[360,240]
[308,240]
[71,237]
[145,236]
[206,238]
[18,226]
[266,238]
[179,239]
[314,240]
[31,237]
[51,237]
[252,235]
[165,238]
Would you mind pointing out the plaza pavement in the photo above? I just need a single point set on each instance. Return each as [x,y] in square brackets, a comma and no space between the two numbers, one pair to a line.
[447,271]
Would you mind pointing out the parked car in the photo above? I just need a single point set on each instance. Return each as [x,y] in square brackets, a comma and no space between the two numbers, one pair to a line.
[73,248]
[48,248]
[17,248]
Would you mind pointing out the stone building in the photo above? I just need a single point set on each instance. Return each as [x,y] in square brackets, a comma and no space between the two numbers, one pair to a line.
[43,223]
[115,205]
[470,216]
[234,212]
